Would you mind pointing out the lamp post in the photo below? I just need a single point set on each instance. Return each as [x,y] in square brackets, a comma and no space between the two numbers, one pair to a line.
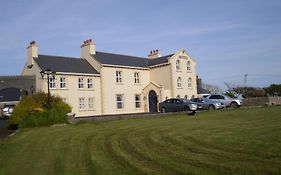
[49,73]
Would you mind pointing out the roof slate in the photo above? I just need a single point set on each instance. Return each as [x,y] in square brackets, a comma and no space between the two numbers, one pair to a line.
[65,64]
[125,60]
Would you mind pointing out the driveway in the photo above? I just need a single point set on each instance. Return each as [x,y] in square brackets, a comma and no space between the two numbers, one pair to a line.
[3,128]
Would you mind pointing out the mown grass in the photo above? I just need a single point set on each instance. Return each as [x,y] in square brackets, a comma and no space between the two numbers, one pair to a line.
[246,141]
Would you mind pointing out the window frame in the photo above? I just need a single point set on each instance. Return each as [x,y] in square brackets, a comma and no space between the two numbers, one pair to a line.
[137,77]
[188,66]
[82,106]
[62,82]
[80,83]
[189,82]
[90,84]
[178,64]
[120,102]
[52,82]
[138,102]
[118,77]
[91,102]
[179,82]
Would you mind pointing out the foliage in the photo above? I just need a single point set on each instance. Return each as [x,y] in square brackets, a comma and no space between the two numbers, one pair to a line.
[230,94]
[32,111]
[229,142]
[250,91]
[273,90]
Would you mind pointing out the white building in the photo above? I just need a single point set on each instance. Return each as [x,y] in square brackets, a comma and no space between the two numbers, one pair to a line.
[102,83]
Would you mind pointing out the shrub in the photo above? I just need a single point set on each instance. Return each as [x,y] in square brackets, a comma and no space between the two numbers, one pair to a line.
[32,111]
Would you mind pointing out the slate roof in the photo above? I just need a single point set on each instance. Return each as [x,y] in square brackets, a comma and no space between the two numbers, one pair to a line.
[65,64]
[11,94]
[125,60]
[78,65]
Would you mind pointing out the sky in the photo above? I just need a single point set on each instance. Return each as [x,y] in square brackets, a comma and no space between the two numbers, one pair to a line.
[228,39]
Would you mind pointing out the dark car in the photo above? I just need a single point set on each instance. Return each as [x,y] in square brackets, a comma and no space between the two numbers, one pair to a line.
[177,104]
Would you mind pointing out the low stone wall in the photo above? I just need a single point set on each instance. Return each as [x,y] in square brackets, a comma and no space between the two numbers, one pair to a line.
[72,119]
[261,101]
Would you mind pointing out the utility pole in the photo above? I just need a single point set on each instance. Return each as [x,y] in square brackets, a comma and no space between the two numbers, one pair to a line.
[245,80]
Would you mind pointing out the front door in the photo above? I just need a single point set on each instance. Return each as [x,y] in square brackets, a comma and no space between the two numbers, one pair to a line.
[152,96]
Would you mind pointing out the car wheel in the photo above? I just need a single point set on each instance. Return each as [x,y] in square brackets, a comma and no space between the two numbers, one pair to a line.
[234,105]
[186,108]
[163,110]
[211,107]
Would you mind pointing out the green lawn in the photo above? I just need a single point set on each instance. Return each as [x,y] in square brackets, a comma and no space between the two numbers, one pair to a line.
[245,141]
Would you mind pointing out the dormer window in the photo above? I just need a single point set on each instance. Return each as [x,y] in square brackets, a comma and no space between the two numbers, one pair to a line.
[188,67]
[178,67]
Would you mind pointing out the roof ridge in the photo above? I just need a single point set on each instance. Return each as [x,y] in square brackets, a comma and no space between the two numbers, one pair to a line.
[59,56]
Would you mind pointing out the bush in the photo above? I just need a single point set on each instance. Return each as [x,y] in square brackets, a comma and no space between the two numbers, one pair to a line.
[32,111]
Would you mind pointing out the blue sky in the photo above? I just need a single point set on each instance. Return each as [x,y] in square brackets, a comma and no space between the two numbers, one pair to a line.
[227,38]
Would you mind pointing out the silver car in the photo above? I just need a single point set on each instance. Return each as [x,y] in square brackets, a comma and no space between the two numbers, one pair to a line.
[229,102]
[177,104]
[207,104]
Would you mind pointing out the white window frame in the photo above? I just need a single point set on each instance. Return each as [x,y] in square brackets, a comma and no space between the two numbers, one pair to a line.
[179,82]
[189,82]
[82,105]
[118,77]
[121,101]
[178,64]
[90,83]
[91,103]
[138,102]
[64,99]
[62,82]
[188,66]
[80,83]
[52,82]
[137,77]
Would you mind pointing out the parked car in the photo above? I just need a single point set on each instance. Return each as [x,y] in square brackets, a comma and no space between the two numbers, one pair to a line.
[207,104]
[7,111]
[177,104]
[229,102]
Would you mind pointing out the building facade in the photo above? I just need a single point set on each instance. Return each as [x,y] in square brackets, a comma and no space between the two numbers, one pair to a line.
[102,83]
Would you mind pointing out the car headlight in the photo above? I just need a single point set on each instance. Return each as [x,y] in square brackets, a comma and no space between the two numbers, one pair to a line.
[217,104]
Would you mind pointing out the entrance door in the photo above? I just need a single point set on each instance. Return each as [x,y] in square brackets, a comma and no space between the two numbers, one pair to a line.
[152,96]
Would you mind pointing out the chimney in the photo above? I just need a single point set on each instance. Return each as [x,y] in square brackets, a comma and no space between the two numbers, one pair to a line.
[32,52]
[154,54]
[88,48]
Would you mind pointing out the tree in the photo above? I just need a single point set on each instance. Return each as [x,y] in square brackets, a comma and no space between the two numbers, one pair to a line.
[273,90]
[250,91]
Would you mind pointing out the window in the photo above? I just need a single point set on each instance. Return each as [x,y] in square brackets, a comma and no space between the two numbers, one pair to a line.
[91,103]
[179,82]
[120,101]
[62,82]
[185,96]
[188,68]
[52,82]
[81,103]
[138,100]
[178,65]
[90,83]
[137,77]
[189,83]
[80,83]
[178,96]
[118,77]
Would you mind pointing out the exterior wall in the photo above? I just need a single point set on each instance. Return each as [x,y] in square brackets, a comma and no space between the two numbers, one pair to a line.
[184,74]
[128,88]
[72,93]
